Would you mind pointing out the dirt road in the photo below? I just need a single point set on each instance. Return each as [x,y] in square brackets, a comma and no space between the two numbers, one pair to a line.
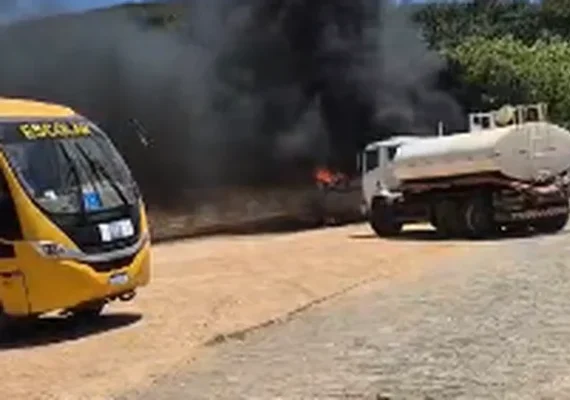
[495,325]
[200,289]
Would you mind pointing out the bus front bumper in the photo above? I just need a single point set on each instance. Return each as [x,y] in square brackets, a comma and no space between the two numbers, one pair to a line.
[72,282]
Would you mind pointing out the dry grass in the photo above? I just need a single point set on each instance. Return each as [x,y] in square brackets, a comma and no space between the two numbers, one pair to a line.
[225,210]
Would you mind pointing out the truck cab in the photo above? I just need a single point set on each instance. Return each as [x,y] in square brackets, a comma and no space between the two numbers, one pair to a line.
[375,168]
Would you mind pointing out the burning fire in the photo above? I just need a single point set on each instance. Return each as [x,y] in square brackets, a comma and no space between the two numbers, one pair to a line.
[324,175]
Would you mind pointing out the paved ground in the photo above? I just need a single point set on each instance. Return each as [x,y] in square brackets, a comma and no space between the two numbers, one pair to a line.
[201,289]
[495,325]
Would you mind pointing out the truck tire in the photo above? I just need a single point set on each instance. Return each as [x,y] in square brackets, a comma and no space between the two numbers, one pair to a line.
[517,228]
[477,215]
[551,224]
[382,219]
[447,219]
[433,219]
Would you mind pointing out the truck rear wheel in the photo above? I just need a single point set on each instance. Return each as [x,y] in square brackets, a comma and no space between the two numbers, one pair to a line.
[517,228]
[551,224]
[447,219]
[383,220]
[477,215]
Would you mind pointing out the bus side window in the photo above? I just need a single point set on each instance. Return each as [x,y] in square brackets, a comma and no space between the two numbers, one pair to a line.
[10,228]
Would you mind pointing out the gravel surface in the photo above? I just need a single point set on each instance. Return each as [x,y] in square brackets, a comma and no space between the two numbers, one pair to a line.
[494,326]
[203,289]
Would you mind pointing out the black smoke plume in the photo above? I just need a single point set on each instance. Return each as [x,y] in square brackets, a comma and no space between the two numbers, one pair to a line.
[253,92]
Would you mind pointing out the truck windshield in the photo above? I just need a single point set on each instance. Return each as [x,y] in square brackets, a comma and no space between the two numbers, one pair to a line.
[80,173]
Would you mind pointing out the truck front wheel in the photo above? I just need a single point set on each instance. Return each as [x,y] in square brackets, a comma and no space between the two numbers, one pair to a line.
[383,220]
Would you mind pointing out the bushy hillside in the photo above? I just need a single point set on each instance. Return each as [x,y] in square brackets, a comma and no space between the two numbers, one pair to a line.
[259,93]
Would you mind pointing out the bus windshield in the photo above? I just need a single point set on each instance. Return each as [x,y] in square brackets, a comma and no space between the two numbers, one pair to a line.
[66,171]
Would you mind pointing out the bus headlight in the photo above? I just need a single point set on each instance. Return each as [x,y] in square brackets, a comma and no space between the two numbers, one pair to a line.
[50,249]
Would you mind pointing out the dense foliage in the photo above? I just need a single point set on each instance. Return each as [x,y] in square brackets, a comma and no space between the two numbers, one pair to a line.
[250,125]
[506,70]
[501,52]
[497,52]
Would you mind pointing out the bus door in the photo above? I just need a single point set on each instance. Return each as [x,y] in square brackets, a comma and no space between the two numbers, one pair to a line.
[13,291]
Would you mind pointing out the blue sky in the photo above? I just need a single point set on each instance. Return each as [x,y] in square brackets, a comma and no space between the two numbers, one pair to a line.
[79,5]
[17,8]
[11,10]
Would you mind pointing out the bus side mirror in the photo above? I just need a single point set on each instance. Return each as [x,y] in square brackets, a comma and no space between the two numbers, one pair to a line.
[140,131]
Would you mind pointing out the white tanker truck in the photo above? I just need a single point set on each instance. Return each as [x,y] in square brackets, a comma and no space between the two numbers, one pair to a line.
[510,171]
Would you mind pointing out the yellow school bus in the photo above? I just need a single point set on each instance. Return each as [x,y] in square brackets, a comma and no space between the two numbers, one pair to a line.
[73,228]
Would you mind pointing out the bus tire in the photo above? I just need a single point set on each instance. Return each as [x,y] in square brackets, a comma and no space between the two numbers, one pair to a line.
[4,325]
[10,327]
[89,310]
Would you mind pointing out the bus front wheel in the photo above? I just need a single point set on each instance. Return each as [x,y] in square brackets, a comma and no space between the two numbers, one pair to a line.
[11,327]
[89,310]
[4,323]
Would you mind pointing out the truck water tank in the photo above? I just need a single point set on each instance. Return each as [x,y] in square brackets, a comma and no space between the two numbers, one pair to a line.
[522,152]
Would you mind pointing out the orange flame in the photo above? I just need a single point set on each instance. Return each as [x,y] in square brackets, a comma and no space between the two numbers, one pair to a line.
[324,175]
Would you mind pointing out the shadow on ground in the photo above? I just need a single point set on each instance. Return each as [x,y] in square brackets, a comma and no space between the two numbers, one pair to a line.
[51,330]
[432,235]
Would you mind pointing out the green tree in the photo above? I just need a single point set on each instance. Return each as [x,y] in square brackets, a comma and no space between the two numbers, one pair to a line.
[555,15]
[447,24]
[506,70]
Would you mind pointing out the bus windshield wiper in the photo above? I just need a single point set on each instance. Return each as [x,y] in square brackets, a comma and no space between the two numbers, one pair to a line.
[73,170]
[97,169]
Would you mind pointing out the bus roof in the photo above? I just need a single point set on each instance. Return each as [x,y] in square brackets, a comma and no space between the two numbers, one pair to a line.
[15,108]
